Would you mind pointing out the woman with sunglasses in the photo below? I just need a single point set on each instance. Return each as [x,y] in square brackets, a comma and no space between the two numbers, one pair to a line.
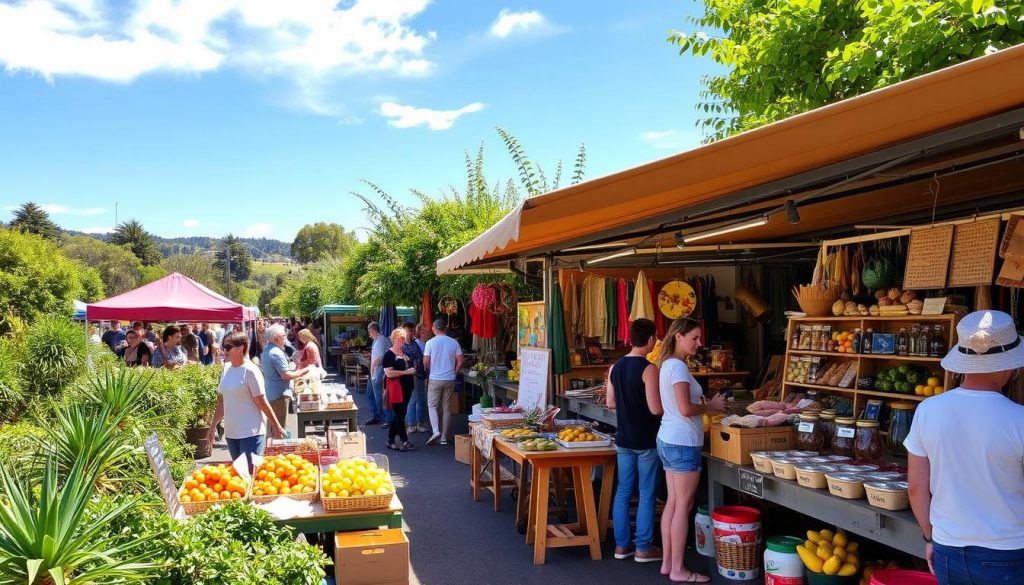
[137,352]
[242,402]
[679,442]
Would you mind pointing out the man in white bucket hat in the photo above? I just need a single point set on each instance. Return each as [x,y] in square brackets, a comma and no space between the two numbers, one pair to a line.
[966,460]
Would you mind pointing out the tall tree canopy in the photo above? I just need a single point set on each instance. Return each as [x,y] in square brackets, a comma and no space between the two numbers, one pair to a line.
[240,260]
[36,279]
[321,241]
[784,57]
[135,237]
[118,267]
[32,219]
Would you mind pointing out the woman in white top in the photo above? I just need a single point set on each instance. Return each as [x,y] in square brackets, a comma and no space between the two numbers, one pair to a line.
[680,439]
[242,402]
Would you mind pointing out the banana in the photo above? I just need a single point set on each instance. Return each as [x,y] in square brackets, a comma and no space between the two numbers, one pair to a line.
[831,566]
[840,539]
[847,570]
[824,553]
[826,535]
[811,546]
[813,536]
[811,561]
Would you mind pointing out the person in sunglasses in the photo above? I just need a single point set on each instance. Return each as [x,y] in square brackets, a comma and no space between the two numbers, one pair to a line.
[242,402]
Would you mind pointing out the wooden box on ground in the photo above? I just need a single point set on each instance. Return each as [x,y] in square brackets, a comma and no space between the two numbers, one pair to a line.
[347,444]
[462,448]
[371,557]
[734,444]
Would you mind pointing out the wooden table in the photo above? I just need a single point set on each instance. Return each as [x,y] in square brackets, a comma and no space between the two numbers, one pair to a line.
[350,415]
[320,520]
[592,525]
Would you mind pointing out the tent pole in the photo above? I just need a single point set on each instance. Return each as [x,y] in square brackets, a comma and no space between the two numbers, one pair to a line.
[548,283]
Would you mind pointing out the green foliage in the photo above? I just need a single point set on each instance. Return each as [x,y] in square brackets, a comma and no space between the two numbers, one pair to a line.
[148,274]
[119,269]
[35,279]
[784,57]
[93,288]
[318,284]
[233,252]
[321,241]
[55,352]
[198,267]
[187,395]
[31,219]
[17,441]
[11,363]
[132,235]
[237,544]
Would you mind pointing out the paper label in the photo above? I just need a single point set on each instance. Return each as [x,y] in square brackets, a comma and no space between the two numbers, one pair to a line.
[805,427]
[845,433]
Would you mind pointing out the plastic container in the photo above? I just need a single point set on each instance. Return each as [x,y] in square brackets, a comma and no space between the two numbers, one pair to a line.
[848,486]
[737,533]
[784,468]
[813,476]
[902,577]
[762,460]
[891,495]
[782,565]
[702,532]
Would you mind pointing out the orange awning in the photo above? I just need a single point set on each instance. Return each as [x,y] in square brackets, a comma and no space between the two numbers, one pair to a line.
[958,95]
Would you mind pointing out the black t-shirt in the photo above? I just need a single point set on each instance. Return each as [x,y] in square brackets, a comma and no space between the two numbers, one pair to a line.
[142,350]
[108,338]
[408,381]
[637,427]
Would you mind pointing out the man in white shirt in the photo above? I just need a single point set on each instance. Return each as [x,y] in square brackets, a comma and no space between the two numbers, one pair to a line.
[443,357]
[966,460]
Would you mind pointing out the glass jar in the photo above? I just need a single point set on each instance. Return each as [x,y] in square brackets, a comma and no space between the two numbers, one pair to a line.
[938,345]
[867,445]
[899,425]
[843,438]
[827,421]
[808,433]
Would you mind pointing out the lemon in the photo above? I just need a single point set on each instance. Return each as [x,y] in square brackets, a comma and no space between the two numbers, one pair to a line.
[831,566]
[929,390]
[919,389]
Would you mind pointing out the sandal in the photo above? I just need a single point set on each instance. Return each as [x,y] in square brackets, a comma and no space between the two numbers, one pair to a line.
[694,577]
[393,447]
[409,446]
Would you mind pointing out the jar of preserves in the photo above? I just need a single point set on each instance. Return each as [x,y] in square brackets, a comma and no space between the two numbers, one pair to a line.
[808,433]
[867,444]
[827,421]
[843,438]
[899,425]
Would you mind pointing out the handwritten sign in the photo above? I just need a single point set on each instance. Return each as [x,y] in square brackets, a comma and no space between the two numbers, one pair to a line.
[158,462]
[750,482]
[934,306]
[534,368]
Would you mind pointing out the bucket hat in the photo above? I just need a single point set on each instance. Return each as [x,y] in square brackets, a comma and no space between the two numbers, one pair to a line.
[987,342]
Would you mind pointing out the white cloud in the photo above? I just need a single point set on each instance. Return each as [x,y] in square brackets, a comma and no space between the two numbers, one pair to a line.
[410,116]
[97,230]
[57,209]
[258,229]
[509,22]
[671,139]
[304,40]
[190,223]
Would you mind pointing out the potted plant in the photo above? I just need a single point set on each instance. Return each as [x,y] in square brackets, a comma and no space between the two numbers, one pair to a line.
[198,384]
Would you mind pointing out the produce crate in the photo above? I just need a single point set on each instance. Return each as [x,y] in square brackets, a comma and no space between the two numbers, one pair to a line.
[358,503]
[734,444]
[310,456]
[192,508]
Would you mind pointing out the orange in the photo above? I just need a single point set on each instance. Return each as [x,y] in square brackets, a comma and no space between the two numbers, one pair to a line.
[235,495]
[185,499]
[199,498]
[190,483]
[225,495]
[261,474]
[218,488]
[271,491]
[286,490]
[199,477]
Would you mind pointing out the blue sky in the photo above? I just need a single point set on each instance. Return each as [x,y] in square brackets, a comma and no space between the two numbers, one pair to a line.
[203,117]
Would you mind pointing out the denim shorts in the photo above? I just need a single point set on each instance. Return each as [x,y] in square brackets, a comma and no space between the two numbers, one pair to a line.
[679,458]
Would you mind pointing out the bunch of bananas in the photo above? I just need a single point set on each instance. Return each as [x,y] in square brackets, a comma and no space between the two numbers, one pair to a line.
[828,553]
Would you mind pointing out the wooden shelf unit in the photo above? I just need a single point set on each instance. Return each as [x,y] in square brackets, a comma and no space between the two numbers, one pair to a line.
[867,364]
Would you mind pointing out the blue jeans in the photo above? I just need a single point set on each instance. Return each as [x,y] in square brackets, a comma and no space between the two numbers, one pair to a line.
[633,463]
[417,404]
[253,445]
[376,398]
[974,565]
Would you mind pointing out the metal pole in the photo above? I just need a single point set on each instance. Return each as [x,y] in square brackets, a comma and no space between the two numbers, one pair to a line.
[227,268]
[548,284]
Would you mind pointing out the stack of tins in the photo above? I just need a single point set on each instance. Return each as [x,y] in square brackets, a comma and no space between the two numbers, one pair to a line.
[737,533]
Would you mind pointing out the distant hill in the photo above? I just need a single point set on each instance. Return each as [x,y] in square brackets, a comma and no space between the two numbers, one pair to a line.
[272,250]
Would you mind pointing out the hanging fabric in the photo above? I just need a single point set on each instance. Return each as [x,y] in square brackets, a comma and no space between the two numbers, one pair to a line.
[484,323]
[643,306]
[608,340]
[595,310]
[623,313]
[660,322]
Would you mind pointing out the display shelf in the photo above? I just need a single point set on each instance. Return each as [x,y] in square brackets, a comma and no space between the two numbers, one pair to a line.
[825,353]
[820,387]
[868,356]
[896,395]
[918,318]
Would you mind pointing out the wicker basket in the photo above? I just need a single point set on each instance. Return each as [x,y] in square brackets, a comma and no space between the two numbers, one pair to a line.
[192,508]
[344,405]
[302,497]
[738,557]
[502,422]
[358,503]
[820,307]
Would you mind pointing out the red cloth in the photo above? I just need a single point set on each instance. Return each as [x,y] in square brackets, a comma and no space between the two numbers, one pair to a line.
[659,317]
[484,322]
[174,297]
[428,309]
[623,313]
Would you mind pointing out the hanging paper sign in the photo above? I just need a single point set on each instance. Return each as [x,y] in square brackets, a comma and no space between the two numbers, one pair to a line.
[534,368]
[677,299]
[158,462]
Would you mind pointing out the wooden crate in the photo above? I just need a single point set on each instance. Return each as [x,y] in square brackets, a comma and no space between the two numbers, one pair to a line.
[734,444]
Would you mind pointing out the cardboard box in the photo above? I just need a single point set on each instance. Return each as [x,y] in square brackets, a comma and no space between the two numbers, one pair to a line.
[734,444]
[462,448]
[371,557]
[348,444]
[456,403]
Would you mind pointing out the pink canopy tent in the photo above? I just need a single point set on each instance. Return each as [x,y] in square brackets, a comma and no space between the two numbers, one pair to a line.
[174,297]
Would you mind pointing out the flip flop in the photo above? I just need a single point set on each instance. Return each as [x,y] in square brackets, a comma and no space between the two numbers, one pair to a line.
[694,577]
[392,447]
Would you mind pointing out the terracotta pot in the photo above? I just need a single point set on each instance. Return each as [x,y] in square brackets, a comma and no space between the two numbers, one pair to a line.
[197,436]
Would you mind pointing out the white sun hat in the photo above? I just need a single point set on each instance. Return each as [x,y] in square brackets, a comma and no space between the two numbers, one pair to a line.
[987,342]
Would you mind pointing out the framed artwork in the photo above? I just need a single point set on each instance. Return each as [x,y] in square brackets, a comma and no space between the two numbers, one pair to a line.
[595,355]
[532,325]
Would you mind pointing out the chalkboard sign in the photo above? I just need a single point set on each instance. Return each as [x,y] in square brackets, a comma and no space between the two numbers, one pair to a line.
[534,368]
[750,482]
[158,462]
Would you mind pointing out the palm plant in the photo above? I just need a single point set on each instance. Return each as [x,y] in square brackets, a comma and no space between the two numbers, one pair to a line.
[33,219]
[47,536]
[138,240]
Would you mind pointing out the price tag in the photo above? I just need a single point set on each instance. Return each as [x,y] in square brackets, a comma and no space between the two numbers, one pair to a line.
[934,306]
[750,482]
[845,433]
[805,427]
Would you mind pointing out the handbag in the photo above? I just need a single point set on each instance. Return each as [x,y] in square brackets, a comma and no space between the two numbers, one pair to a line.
[394,391]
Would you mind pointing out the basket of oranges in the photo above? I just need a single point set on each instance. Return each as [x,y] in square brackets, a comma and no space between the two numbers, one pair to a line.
[357,483]
[290,476]
[209,485]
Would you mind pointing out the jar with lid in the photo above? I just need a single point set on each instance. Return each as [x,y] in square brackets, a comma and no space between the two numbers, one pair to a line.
[915,332]
[938,346]
[808,433]
[843,438]
[867,444]
[899,425]
[827,421]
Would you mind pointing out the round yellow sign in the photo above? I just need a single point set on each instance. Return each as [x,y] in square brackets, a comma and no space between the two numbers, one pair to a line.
[677,299]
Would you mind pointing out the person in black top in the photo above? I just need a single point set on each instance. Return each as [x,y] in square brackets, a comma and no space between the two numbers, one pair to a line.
[137,353]
[399,365]
[633,394]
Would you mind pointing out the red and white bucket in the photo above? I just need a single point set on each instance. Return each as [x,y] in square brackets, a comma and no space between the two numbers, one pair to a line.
[902,577]
[737,534]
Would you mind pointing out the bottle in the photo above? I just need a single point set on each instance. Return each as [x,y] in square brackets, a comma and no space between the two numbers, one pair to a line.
[855,345]
[795,344]
[865,343]
[702,532]
[938,346]
[915,332]
[902,342]
[924,342]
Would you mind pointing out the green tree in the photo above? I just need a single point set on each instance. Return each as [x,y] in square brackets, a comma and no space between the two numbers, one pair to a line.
[119,269]
[36,278]
[138,240]
[784,57]
[198,267]
[32,219]
[320,241]
[233,252]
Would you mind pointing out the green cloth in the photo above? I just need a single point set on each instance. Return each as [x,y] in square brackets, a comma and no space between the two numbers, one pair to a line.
[560,362]
[610,292]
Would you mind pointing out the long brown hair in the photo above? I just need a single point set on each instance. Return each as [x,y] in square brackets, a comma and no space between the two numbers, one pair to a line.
[682,326]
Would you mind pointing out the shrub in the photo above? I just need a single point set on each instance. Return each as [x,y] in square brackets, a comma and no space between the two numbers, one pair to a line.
[18,440]
[55,352]
[11,359]
[35,278]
